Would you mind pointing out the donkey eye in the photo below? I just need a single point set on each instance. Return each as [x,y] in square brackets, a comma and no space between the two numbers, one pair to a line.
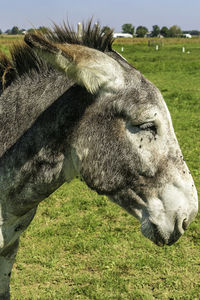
[148,127]
[144,127]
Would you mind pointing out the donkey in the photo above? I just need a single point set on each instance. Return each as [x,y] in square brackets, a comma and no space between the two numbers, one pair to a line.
[73,106]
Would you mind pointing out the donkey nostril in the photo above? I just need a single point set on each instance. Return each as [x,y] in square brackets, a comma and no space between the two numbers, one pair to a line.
[184,224]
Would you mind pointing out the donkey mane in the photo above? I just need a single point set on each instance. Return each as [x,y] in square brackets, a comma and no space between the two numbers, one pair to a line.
[23,59]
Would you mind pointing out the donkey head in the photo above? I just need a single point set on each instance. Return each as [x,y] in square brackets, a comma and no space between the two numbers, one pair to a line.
[125,146]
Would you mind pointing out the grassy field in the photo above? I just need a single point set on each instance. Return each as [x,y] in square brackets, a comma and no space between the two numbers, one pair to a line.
[6,41]
[81,246]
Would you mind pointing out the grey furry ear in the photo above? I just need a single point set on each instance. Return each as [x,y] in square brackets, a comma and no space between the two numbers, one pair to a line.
[88,67]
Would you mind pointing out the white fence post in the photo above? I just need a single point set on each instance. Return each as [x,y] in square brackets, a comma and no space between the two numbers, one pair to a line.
[79,31]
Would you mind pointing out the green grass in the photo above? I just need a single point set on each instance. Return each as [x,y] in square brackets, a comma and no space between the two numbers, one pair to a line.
[81,246]
[6,41]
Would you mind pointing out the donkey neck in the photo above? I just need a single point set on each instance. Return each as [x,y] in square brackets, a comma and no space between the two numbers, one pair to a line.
[40,161]
[24,101]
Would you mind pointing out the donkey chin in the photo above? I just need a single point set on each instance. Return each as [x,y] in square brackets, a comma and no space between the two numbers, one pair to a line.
[168,224]
[162,234]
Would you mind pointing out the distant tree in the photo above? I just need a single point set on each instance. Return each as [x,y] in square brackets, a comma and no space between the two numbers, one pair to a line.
[8,31]
[141,31]
[175,31]
[155,31]
[31,30]
[194,32]
[14,30]
[106,29]
[128,28]
[43,29]
[164,31]
[0,31]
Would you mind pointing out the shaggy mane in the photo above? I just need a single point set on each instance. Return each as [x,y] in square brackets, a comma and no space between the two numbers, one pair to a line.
[23,59]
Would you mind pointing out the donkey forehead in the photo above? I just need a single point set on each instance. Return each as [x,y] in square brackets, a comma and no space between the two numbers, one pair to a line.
[142,92]
[140,100]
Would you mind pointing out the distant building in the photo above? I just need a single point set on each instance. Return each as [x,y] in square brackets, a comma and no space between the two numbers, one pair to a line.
[122,35]
[187,35]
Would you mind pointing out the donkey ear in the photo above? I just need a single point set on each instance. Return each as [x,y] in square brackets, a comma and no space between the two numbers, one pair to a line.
[88,67]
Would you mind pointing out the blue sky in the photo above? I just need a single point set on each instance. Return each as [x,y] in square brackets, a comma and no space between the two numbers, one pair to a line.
[114,13]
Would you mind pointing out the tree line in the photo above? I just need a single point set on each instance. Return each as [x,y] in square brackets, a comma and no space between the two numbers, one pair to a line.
[141,31]
[15,30]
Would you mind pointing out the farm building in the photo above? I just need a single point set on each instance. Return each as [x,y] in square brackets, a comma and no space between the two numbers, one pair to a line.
[187,35]
[122,35]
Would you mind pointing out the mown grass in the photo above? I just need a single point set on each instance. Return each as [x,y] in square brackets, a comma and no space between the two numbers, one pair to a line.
[6,42]
[166,41]
[81,246]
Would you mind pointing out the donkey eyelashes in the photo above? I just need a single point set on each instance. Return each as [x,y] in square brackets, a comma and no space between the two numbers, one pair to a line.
[146,125]
[149,127]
